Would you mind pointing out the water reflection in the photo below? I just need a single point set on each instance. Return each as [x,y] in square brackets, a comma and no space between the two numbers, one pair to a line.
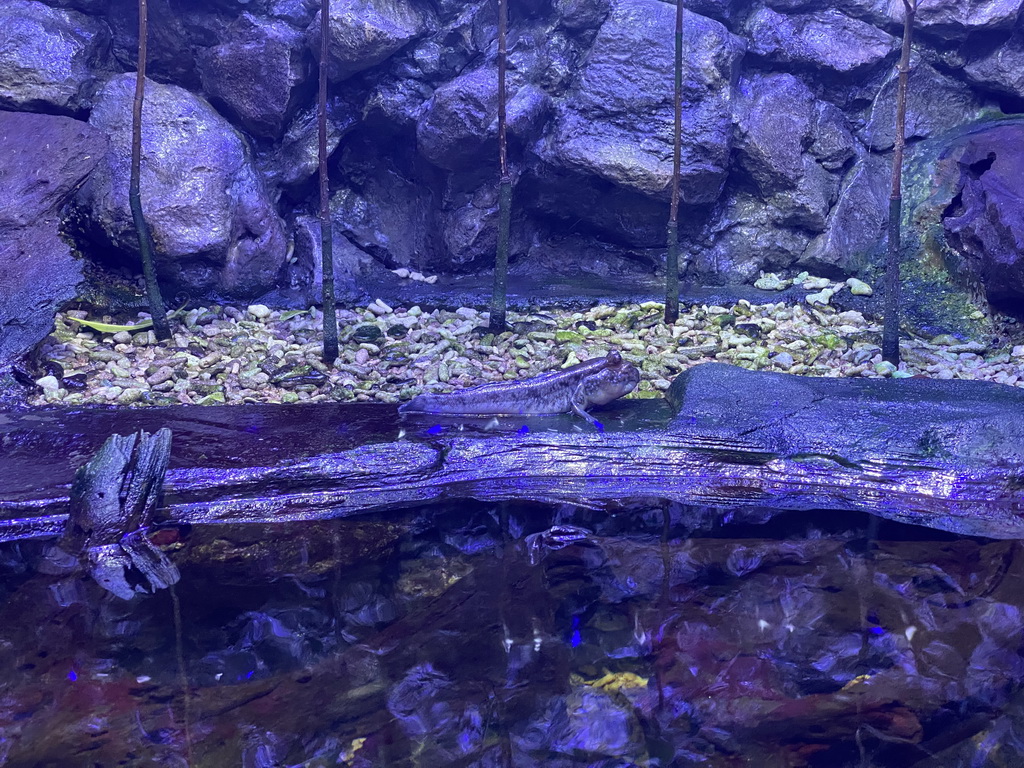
[522,635]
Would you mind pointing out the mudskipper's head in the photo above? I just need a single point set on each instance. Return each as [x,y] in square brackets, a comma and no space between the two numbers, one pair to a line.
[618,378]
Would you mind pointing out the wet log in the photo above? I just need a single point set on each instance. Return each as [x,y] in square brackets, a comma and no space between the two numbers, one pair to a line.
[112,502]
[945,454]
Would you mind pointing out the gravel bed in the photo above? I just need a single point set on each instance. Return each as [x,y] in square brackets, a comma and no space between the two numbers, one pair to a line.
[225,354]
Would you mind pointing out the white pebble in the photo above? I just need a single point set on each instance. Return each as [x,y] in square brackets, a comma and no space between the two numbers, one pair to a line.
[821,298]
[48,383]
[859,287]
[816,283]
[259,311]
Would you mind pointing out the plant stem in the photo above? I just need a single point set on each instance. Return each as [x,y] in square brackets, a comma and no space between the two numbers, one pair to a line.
[499,297]
[326,232]
[891,320]
[156,303]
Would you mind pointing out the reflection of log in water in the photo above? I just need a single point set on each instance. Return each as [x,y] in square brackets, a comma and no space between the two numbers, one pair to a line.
[733,687]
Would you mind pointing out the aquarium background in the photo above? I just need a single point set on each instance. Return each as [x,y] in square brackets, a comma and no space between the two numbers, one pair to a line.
[521,632]
[788,121]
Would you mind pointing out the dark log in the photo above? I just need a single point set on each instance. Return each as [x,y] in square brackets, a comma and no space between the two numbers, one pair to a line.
[113,499]
[945,454]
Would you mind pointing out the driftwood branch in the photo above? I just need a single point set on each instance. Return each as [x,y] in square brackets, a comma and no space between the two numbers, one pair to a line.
[944,454]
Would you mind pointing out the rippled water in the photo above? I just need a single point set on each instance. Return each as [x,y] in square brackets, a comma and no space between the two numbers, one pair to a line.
[526,635]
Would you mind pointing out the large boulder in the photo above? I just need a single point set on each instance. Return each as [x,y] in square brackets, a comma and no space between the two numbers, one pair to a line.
[43,159]
[825,40]
[985,223]
[213,222]
[49,58]
[617,123]
[365,33]
[774,116]
[255,72]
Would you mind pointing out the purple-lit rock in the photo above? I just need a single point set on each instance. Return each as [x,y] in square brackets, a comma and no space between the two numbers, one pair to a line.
[255,71]
[826,40]
[43,159]
[213,222]
[985,223]
[458,121]
[364,33]
[616,122]
[856,223]
[580,15]
[954,19]
[774,118]
[353,267]
[747,227]
[832,142]
[935,104]
[387,205]
[50,59]
[295,158]
[1002,69]
[174,30]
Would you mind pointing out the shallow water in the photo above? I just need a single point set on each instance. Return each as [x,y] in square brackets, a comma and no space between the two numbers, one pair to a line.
[524,635]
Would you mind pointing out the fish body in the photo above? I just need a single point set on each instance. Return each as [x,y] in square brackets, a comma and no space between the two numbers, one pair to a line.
[593,382]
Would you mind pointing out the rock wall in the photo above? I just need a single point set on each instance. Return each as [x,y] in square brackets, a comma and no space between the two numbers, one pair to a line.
[787,117]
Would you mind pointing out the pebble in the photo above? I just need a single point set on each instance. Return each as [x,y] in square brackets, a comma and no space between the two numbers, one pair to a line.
[859,287]
[160,376]
[48,383]
[816,283]
[259,311]
[885,368]
[770,282]
[821,298]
